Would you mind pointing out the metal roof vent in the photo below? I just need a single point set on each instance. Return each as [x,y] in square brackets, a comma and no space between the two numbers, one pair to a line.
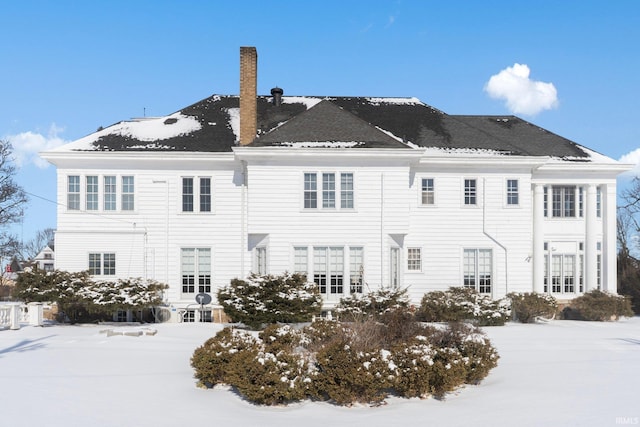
[277,92]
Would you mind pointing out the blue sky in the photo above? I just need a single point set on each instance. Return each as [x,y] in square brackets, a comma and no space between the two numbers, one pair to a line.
[69,67]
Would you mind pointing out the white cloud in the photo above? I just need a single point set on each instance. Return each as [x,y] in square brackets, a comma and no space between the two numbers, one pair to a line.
[521,94]
[633,158]
[27,145]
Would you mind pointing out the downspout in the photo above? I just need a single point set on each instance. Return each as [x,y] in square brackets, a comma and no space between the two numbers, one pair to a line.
[381,229]
[243,216]
[484,231]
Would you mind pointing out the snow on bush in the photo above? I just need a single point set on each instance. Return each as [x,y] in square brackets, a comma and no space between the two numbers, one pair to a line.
[530,306]
[344,363]
[261,300]
[80,298]
[376,303]
[463,304]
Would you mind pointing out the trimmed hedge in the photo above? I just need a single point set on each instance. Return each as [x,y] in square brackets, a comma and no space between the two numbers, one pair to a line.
[529,306]
[459,304]
[598,306]
[345,363]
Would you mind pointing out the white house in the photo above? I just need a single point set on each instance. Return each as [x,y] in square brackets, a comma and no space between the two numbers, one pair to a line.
[358,193]
[45,260]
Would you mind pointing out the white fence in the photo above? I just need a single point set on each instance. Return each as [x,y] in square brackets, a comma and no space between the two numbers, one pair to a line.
[15,314]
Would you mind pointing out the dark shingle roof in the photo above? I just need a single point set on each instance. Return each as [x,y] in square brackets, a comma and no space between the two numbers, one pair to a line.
[210,125]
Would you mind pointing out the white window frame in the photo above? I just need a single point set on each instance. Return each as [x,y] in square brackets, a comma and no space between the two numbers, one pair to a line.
[470,195]
[512,194]
[201,201]
[92,193]
[476,271]
[356,269]
[260,260]
[73,192]
[414,259]
[427,191]
[328,191]
[109,195]
[566,201]
[394,266]
[127,193]
[198,275]
[102,263]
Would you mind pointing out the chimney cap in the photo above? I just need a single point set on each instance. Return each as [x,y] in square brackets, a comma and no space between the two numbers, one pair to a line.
[277,91]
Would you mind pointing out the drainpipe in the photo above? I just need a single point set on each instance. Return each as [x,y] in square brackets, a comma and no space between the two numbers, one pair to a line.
[243,216]
[381,229]
[484,231]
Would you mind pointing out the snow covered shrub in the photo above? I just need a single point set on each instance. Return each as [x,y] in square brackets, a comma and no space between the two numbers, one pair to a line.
[529,306]
[345,363]
[376,303]
[346,376]
[80,298]
[599,306]
[261,300]
[462,304]
[220,359]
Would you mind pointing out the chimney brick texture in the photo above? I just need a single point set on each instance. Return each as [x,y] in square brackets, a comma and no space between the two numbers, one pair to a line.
[248,94]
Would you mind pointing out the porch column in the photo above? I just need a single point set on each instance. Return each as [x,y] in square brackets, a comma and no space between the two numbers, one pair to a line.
[609,244]
[538,238]
[591,240]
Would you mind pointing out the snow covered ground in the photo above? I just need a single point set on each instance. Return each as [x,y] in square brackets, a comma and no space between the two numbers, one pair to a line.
[563,373]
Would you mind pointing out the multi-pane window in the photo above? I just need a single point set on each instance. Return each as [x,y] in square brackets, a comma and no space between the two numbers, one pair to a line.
[191,200]
[356,269]
[73,192]
[127,193]
[328,269]
[109,193]
[512,192]
[195,262]
[428,191]
[260,260]
[563,201]
[414,259]
[205,194]
[328,190]
[598,202]
[563,273]
[310,191]
[187,194]
[346,190]
[477,269]
[92,193]
[300,260]
[102,264]
[470,192]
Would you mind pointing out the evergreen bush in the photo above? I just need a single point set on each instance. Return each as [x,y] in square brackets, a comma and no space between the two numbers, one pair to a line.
[345,363]
[372,304]
[459,304]
[600,306]
[261,300]
[529,306]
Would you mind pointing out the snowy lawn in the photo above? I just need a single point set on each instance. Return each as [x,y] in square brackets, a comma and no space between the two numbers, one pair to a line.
[564,373]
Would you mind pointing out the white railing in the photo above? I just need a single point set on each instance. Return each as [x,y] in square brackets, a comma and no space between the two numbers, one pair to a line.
[12,314]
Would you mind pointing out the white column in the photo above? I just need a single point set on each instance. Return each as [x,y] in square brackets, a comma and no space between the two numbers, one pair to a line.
[538,238]
[591,240]
[609,243]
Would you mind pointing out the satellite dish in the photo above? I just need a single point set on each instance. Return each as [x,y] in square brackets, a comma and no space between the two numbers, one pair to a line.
[203,299]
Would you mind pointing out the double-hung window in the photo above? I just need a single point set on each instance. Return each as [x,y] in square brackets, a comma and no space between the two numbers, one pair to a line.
[333,190]
[513,198]
[563,201]
[260,260]
[92,193]
[414,259]
[356,267]
[102,264]
[300,260]
[470,192]
[477,269]
[73,192]
[109,193]
[200,200]
[328,269]
[195,263]
[127,193]
[428,191]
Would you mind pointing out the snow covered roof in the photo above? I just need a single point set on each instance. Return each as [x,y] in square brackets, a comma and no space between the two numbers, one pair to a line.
[212,125]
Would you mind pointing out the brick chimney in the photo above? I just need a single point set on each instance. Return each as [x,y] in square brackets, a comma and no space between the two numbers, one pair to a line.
[248,94]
